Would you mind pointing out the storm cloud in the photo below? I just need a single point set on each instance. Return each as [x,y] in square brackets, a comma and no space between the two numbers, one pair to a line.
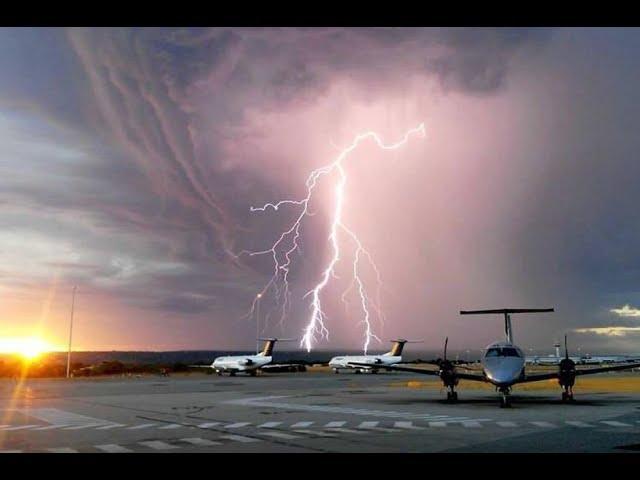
[130,158]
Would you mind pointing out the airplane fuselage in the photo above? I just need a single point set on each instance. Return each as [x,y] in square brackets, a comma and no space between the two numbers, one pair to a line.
[503,364]
[375,361]
[240,363]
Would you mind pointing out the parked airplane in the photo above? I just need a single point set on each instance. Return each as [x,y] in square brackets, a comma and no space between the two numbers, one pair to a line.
[246,363]
[586,359]
[550,359]
[503,365]
[371,363]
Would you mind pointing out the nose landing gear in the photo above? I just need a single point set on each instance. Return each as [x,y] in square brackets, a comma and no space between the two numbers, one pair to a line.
[567,394]
[505,398]
[452,395]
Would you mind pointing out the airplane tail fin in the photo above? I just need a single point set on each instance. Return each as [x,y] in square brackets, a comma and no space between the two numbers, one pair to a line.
[507,316]
[398,345]
[269,343]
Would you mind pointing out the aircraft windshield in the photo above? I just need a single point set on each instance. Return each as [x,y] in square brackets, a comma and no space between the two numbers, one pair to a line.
[502,352]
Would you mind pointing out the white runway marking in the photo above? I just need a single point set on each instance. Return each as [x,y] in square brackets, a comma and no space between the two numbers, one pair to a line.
[113,425]
[62,450]
[346,430]
[438,424]
[59,417]
[334,424]
[51,427]
[158,445]
[18,427]
[208,424]
[237,425]
[317,433]
[507,424]
[201,442]
[302,424]
[286,436]
[141,426]
[270,425]
[82,427]
[113,448]
[471,424]
[368,425]
[543,424]
[267,402]
[576,423]
[407,425]
[240,438]
[170,426]
[614,423]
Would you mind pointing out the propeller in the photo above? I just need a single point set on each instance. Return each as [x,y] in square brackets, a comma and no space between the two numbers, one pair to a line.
[448,373]
[567,373]
[446,341]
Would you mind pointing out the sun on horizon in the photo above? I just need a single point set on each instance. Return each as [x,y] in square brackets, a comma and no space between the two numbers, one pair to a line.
[28,348]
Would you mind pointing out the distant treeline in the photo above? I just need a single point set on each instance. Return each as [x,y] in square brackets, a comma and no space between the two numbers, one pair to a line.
[161,363]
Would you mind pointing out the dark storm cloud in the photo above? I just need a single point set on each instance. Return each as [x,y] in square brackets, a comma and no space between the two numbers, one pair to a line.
[153,199]
[578,239]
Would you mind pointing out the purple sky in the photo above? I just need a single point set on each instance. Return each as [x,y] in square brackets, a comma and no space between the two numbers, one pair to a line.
[130,158]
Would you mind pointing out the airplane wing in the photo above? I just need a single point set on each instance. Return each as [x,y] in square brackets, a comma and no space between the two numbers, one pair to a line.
[284,367]
[463,376]
[584,371]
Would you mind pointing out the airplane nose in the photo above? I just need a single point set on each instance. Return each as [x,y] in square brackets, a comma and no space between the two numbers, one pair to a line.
[503,373]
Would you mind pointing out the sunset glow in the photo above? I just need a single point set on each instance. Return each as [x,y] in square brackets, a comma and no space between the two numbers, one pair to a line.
[29,348]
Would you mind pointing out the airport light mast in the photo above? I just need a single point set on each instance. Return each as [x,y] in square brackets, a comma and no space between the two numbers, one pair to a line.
[258,297]
[73,300]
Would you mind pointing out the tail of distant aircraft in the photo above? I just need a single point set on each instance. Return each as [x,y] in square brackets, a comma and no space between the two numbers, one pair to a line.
[269,343]
[507,316]
[398,345]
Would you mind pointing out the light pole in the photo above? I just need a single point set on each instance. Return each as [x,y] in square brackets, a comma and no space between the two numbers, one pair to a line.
[73,301]
[258,297]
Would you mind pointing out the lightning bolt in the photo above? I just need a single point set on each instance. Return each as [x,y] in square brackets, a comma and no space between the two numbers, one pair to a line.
[287,244]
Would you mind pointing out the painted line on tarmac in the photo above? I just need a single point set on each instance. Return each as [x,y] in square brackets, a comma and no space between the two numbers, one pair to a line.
[201,442]
[158,445]
[267,402]
[241,439]
[614,423]
[113,448]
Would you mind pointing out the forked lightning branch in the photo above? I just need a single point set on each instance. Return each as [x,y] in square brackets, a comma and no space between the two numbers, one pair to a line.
[342,240]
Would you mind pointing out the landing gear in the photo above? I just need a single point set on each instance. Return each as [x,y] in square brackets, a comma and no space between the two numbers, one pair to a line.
[567,394]
[452,395]
[358,370]
[232,373]
[505,398]
[253,373]
[373,370]
[336,371]
[219,372]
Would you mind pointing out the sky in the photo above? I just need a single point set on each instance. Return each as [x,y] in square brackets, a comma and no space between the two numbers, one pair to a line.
[130,160]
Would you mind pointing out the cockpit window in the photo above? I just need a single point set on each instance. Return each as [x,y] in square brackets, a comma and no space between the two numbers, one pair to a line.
[502,352]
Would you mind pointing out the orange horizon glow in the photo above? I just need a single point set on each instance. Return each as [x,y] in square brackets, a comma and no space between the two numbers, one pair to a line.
[29,348]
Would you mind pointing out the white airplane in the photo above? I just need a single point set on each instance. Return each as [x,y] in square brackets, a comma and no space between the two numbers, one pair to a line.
[503,365]
[586,359]
[371,363]
[246,363]
[550,359]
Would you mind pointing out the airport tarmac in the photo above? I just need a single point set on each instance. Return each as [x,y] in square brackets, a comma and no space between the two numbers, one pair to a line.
[307,412]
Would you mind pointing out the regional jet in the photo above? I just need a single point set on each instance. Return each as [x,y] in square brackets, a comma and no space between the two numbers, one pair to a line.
[370,363]
[246,363]
[503,365]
